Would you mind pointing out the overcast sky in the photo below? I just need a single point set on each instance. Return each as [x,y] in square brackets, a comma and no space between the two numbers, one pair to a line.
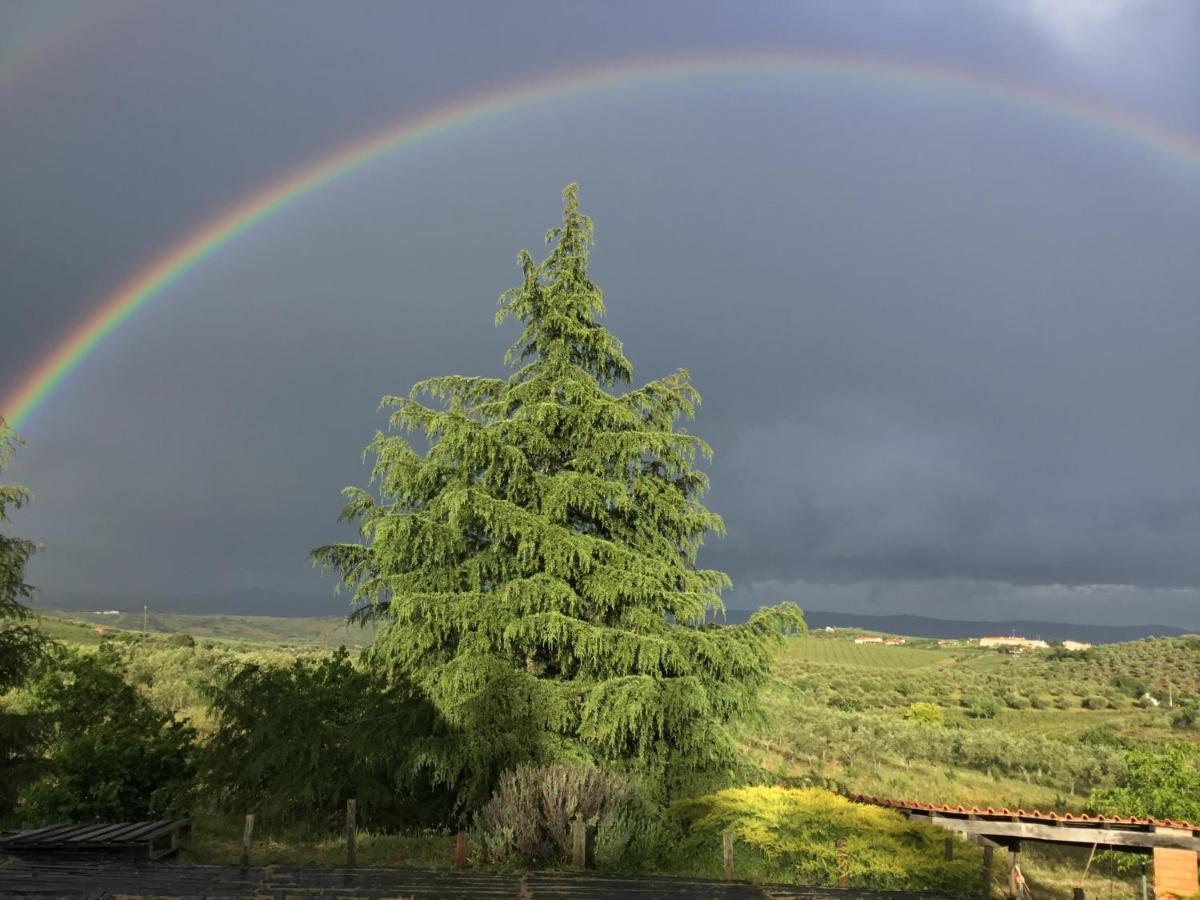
[947,345]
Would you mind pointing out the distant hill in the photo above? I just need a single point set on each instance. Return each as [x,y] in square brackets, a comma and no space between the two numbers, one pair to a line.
[264,615]
[328,631]
[924,626]
[248,602]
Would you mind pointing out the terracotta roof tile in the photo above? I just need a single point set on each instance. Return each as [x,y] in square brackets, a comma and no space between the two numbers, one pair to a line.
[1004,812]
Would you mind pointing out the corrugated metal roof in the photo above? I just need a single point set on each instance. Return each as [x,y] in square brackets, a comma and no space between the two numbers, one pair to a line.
[1036,815]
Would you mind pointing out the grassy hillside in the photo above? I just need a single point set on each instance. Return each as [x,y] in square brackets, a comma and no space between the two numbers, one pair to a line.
[81,628]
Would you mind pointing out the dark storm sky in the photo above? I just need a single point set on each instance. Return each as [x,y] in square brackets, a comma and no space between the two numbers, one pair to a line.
[947,345]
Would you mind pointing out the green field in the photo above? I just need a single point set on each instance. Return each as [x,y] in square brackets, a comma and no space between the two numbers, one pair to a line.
[328,631]
[868,656]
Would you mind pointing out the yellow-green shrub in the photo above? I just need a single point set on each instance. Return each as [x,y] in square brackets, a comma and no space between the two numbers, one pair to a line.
[791,835]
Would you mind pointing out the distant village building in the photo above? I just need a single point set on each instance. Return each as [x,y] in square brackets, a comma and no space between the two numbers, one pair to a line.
[868,640]
[1076,645]
[893,642]
[1017,643]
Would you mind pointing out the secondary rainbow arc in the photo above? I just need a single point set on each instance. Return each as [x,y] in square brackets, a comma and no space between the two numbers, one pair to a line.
[49,372]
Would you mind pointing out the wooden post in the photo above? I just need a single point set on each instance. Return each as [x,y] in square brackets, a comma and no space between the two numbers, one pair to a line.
[1077,894]
[987,872]
[727,854]
[351,832]
[460,850]
[949,849]
[843,864]
[247,833]
[578,843]
[1014,862]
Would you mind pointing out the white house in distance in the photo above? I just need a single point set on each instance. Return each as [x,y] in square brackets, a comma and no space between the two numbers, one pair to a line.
[1076,645]
[874,639]
[1017,643]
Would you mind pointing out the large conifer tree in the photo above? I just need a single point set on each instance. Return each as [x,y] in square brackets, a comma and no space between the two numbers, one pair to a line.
[535,570]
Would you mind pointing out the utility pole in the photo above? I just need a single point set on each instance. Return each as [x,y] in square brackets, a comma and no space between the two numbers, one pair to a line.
[145,618]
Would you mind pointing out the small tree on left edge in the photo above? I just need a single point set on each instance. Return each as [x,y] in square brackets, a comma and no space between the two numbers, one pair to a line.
[21,645]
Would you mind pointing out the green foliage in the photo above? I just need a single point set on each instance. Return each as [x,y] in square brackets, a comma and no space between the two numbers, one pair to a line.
[111,756]
[294,743]
[536,569]
[22,647]
[1130,685]
[927,713]
[791,835]
[1095,702]
[1187,716]
[1161,782]
[528,818]
[985,707]
[1102,736]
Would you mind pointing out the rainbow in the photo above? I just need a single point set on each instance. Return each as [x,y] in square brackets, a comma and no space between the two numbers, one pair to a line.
[152,281]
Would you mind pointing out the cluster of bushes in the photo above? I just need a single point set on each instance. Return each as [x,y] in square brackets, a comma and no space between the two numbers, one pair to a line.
[1107,677]
[821,735]
[105,752]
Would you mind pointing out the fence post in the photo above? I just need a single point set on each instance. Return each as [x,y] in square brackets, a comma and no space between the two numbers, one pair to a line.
[578,843]
[987,872]
[949,849]
[727,854]
[1077,894]
[843,864]
[247,833]
[351,833]
[460,850]
[1014,872]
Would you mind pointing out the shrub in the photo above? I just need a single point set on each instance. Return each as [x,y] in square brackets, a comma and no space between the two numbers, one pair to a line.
[984,708]
[1102,736]
[528,818]
[295,743]
[1187,717]
[929,713]
[1063,702]
[790,835]
[111,756]
[1095,702]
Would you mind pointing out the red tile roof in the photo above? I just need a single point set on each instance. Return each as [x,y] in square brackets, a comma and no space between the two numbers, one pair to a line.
[1027,815]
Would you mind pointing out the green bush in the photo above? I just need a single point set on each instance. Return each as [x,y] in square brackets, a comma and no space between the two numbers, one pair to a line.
[790,835]
[1095,702]
[111,756]
[295,743]
[528,819]
[929,713]
[984,708]
[1187,716]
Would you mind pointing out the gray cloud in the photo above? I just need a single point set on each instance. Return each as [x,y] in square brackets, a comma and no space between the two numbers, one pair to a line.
[946,344]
